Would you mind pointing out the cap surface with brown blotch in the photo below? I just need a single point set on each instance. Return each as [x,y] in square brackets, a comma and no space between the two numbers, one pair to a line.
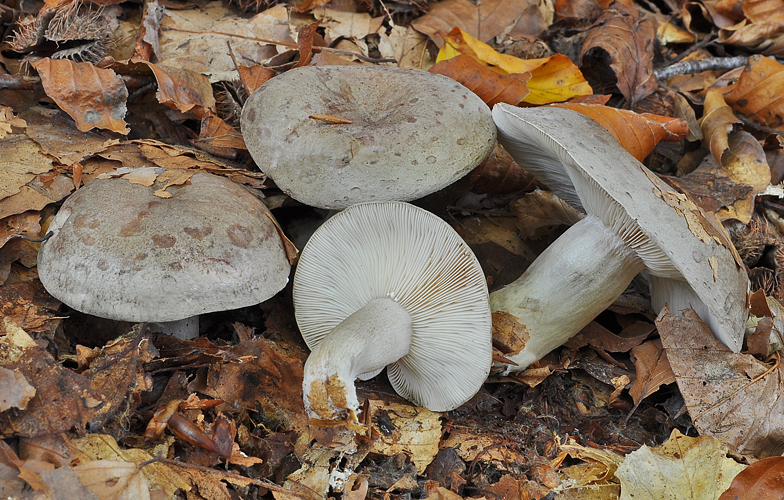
[410,133]
[120,252]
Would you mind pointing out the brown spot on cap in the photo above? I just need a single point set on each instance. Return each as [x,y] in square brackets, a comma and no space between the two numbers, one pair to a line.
[198,233]
[240,236]
[133,228]
[164,241]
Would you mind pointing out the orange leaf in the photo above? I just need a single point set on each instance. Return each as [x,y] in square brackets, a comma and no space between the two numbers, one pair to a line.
[759,481]
[183,90]
[490,86]
[93,97]
[757,93]
[638,133]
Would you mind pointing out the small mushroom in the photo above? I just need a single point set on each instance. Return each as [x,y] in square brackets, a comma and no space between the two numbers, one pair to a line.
[387,284]
[120,252]
[332,136]
[635,222]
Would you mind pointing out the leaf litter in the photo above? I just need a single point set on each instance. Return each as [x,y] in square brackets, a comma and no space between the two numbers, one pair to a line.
[155,97]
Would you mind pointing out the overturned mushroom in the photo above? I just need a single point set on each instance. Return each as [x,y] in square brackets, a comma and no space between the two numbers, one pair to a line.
[635,222]
[332,136]
[391,285]
[122,253]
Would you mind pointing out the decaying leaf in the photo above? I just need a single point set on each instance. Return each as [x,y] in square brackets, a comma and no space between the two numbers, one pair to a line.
[15,391]
[8,120]
[653,370]
[681,468]
[733,397]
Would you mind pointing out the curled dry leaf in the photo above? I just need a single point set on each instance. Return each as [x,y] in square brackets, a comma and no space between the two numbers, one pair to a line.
[653,370]
[500,174]
[626,38]
[638,133]
[759,481]
[93,97]
[757,92]
[734,397]
[183,90]
[15,391]
[682,467]
[8,120]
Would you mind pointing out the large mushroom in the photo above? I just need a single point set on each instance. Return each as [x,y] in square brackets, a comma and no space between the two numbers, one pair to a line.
[332,136]
[387,284]
[635,222]
[120,252]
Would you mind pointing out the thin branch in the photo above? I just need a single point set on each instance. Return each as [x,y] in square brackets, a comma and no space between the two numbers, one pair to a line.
[707,64]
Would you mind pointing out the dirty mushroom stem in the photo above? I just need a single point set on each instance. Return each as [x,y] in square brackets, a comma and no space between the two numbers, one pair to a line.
[368,340]
[582,272]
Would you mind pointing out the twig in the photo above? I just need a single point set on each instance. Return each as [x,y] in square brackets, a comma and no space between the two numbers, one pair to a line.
[707,64]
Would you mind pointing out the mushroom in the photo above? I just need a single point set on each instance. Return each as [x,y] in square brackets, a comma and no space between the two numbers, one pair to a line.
[332,136]
[120,252]
[635,222]
[387,284]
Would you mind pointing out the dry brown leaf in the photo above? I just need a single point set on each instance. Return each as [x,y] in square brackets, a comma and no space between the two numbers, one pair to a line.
[757,93]
[20,161]
[681,468]
[408,429]
[198,39]
[183,90]
[734,397]
[759,481]
[638,133]
[598,336]
[484,21]
[653,370]
[500,174]
[15,391]
[483,446]
[627,39]
[113,480]
[542,208]
[53,409]
[489,85]
[219,138]
[93,97]
[761,36]
[8,120]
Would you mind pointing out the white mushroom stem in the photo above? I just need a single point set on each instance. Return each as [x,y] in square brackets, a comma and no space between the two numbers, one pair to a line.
[371,338]
[572,281]
[184,329]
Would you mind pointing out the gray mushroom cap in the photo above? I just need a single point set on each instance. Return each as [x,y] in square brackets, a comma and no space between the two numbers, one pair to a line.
[688,254]
[412,133]
[122,253]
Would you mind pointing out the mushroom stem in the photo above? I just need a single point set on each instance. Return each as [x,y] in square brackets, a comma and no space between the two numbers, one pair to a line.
[374,336]
[572,281]
[184,329]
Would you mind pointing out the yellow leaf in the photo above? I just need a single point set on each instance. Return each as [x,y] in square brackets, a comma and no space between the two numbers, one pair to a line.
[556,80]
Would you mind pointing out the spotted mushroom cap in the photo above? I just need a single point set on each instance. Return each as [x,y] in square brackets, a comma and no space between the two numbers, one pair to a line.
[399,251]
[689,255]
[120,252]
[411,133]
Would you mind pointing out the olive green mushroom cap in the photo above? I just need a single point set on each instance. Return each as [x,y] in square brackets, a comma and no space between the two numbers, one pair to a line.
[411,133]
[120,252]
